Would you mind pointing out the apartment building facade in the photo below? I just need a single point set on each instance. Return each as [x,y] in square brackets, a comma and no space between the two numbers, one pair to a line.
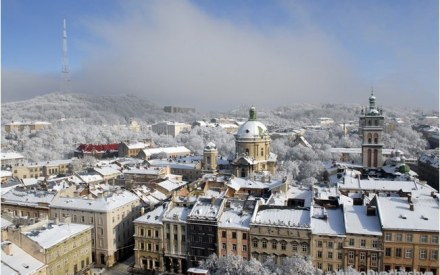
[111,216]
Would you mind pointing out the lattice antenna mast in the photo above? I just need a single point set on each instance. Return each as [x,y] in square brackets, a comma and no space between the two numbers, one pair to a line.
[65,70]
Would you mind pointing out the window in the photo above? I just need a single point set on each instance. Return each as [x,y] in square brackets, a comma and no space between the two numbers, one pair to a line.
[340,245]
[388,237]
[408,253]
[156,233]
[274,244]
[373,259]
[234,247]
[330,255]
[434,255]
[224,246]
[319,265]
[424,239]
[319,255]
[398,252]
[351,256]
[375,243]
[305,247]
[388,252]
[434,239]
[409,238]
[255,243]
[339,256]
[83,219]
[330,244]
[423,254]
[329,267]
[295,247]
[351,242]
[319,243]
[142,232]
[362,257]
[244,236]
[157,247]
[264,244]
[234,235]
[149,233]
[91,219]
[223,234]
[363,243]
[283,246]
[244,247]
[399,237]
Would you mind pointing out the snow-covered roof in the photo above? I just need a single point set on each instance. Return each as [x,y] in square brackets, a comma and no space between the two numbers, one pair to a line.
[154,216]
[177,213]
[167,150]
[206,208]
[357,151]
[11,155]
[51,163]
[285,217]
[171,185]
[357,221]
[240,183]
[158,195]
[143,171]
[5,223]
[107,171]
[252,129]
[102,204]
[328,221]
[395,213]
[235,217]
[19,262]
[4,173]
[88,178]
[431,159]
[54,234]
[21,196]
[137,145]
[351,183]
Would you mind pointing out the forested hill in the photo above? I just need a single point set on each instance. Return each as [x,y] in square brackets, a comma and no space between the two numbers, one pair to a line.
[90,109]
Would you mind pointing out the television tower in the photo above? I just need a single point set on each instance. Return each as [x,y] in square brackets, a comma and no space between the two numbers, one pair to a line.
[65,86]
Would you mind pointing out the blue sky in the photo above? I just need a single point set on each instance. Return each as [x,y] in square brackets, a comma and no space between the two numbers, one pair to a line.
[190,52]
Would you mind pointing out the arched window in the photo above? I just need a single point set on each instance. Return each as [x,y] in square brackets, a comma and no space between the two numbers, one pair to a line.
[369,122]
[247,151]
[376,138]
[375,158]
[369,136]
[369,158]
[376,122]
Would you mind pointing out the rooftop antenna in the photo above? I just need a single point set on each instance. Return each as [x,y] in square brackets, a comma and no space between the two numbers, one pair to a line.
[65,70]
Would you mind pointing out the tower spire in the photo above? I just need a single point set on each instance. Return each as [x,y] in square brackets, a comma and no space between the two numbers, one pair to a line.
[65,86]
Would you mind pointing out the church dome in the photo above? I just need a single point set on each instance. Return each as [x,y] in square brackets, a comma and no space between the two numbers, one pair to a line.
[252,128]
[210,146]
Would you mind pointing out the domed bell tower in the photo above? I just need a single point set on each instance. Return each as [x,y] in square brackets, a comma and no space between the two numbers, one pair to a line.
[210,158]
[371,125]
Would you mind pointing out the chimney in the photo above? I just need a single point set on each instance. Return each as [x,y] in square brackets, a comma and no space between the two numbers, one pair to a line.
[409,198]
[7,248]
[142,211]
[213,200]
[411,206]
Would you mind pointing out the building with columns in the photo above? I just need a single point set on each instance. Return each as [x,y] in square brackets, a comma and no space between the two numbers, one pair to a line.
[252,148]
[371,124]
